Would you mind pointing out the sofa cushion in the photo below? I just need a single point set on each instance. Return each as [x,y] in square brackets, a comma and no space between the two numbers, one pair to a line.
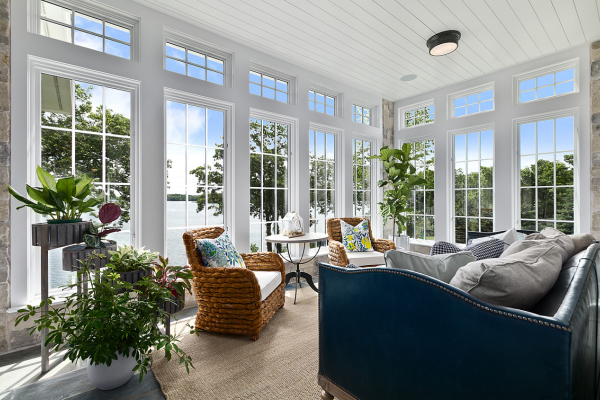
[491,248]
[441,266]
[518,281]
[548,235]
[219,252]
[268,281]
[508,237]
[365,258]
[356,238]
[582,241]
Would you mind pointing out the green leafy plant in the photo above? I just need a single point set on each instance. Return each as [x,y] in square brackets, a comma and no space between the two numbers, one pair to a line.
[112,318]
[400,179]
[94,233]
[176,279]
[63,199]
[128,258]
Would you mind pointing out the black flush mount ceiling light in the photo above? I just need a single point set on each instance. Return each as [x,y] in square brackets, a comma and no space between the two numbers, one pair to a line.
[443,43]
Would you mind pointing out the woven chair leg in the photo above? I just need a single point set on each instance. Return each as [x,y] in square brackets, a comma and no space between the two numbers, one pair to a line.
[255,336]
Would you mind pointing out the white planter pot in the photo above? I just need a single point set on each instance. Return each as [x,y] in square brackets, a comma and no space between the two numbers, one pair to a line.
[401,242]
[107,378]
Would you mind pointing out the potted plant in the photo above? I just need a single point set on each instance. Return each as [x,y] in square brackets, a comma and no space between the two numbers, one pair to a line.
[399,181]
[132,264]
[113,326]
[63,200]
[93,239]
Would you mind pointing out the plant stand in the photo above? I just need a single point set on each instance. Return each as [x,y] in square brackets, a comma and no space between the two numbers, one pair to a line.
[172,307]
[50,237]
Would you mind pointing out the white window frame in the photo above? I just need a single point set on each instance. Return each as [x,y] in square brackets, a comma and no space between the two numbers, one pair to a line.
[23,291]
[450,175]
[373,177]
[468,92]
[327,91]
[354,114]
[550,69]
[292,80]
[577,184]
[228,110]
[189,42]
[93,9]
[413,107]
[339,165]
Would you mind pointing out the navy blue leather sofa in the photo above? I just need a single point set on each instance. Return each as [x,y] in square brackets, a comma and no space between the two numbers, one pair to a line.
[396,334]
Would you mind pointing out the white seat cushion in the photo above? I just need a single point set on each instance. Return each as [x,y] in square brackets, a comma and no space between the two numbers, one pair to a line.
[365,258]
[268,281]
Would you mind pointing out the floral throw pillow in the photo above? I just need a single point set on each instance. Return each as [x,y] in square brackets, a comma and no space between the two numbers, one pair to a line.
[219,252]
[356,238]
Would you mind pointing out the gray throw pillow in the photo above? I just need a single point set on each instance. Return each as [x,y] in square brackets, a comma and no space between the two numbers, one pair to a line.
[582,241]
[518,281]
[548,235]
[441,266]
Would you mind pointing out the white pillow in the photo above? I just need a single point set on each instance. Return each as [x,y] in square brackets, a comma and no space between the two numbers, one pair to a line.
[508,237]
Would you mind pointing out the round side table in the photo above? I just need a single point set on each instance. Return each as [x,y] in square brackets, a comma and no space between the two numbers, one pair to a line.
[310,237]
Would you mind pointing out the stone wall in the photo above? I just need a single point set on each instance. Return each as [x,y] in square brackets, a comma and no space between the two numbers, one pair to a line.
[388,140]
[595,134]
[5,319]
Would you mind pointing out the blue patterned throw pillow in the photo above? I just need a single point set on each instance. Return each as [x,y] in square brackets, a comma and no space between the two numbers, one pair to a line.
[492,248]
[219,252]
[356,238]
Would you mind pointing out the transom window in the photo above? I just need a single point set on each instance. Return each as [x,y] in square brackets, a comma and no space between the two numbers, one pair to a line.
[195,170]
[192,63]
[85,129]
[547,174]
[322,179]
[268,86]
[473,183]
[360,114]
[361,178]
[420,223]
[269,191]
[321,102]
[419,116]
[84,30]
[549,85]
[473,103]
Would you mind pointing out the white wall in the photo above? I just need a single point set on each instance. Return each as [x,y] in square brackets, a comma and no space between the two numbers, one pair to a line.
[502,117]
[153,81]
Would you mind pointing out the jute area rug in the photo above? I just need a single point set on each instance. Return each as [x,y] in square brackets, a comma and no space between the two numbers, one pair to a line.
[282,364]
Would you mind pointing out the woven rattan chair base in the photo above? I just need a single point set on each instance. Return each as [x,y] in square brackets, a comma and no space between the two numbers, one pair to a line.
[337,252]
[229,298]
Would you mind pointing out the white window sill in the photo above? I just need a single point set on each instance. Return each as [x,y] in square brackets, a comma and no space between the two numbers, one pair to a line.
[59,300]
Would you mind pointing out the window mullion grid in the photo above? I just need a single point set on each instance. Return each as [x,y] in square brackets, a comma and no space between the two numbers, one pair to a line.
[104,177]
[186,166]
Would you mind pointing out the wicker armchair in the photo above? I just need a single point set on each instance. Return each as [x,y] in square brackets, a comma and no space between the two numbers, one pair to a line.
[337,252]
[229,299]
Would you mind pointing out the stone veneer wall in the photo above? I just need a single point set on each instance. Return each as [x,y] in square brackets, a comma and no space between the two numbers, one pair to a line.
[5,342]
[388,140]
[595,134]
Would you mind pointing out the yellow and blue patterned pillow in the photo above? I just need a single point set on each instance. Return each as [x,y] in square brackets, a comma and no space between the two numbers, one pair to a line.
[356,238]
[219,252]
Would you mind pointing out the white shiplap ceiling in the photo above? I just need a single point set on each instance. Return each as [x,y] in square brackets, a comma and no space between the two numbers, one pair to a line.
[371,44]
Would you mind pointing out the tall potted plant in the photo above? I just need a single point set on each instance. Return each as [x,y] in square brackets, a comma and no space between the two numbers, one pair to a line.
[399,181]
[113,326]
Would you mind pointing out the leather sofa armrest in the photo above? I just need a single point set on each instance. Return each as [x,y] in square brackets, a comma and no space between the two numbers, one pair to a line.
[383,245]
[337,253]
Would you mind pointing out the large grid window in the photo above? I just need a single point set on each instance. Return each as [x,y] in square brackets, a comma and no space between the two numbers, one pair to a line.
[83,30]
[473,183]
[360,114]
[473,103]
[361,178]
[194,173]
[419,116]
[85,129]
[547,174]
[420,223]
[322,179]
[321,102]
[269,188]
[268,86]
[195,64]
[548,85]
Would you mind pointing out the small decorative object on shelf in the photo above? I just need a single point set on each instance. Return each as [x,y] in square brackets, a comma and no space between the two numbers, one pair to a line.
[291,225]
